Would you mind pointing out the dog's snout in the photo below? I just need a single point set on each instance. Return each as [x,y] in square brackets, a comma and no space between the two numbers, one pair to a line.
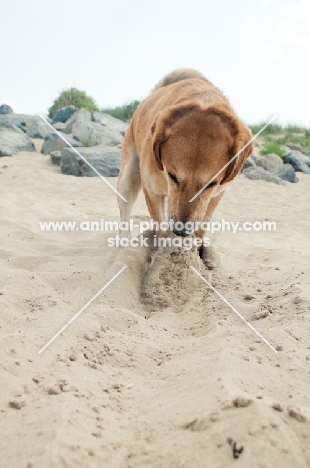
[181,232]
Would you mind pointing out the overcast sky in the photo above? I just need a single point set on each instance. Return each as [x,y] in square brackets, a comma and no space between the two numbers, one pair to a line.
[257,52]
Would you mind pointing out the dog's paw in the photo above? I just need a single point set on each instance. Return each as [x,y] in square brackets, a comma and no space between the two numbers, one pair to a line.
[209,257]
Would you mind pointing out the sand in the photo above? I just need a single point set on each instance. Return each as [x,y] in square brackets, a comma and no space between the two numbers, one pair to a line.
[157,371]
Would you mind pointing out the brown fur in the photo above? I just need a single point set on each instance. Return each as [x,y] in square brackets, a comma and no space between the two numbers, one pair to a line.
[185,127]
[179,75]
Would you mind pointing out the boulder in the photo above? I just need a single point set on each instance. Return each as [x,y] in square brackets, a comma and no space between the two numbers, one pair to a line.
[38,129]
[269,161]
[103,158]
[55,157]
[285,172]
[53,142]
[63,114]
[60,126]
[249,163]
[10,119]
[12,142]
[13,127]
[20,120]
[5,109]
[258,173]
[82,116]
[110,121]
[285,149]
[92,134]
[294,146]
[299,161]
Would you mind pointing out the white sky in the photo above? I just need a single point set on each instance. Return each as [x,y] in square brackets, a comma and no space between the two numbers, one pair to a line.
[256,51]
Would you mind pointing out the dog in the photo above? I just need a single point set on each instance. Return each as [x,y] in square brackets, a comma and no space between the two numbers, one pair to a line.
[184,139]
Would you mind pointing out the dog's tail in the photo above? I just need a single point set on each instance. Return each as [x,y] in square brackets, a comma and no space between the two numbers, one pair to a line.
[179,75]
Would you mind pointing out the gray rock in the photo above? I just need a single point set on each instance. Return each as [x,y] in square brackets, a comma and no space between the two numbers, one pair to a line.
[294,146]
[20,120]
[53,142]
[285,172]
[69,163]
[63,114]
[299,161]
[92,134]
[269,161]
[8,120]
[258,173]
[285,148]
[12,142]
[110,121]
[38,129]
[60,126]
[55,157]
[81,116]
[249,163]
[103,158]
[5,109]
[13,127]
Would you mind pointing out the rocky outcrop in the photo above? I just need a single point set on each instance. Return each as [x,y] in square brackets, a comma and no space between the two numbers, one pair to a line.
[294,146]
[63,114]
[92,134]
[38,129]
[53,142]
[12,142]
[299,161]
[269,162]
[258,173]
[110,121]
[79,127]
[11,119]
[285,172]
[55,157]
[5,109]
[105,159]
[272,168]
[81,116]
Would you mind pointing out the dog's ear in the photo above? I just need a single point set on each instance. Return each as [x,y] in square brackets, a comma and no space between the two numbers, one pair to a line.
[242,148]
[161,128]
[158,132]
[240,135]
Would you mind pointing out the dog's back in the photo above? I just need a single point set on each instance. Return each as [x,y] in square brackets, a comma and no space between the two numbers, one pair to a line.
[179,75]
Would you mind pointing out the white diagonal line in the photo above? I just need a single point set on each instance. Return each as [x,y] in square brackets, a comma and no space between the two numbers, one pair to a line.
[84,159]
[80,311]
[236,312]
[233,158]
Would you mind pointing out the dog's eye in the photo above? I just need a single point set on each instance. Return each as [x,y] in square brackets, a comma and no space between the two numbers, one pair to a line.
[173,177]
[210,185]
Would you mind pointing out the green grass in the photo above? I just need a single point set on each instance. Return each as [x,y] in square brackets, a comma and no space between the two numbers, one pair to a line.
[272,148]
[279,135]
[124,112]
[272,129]
[87,143]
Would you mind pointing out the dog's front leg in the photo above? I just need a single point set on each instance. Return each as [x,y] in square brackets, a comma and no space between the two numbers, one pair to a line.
[203,253]
[213,203]
[156,207]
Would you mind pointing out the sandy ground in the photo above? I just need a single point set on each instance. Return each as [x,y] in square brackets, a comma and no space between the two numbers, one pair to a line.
[150,384]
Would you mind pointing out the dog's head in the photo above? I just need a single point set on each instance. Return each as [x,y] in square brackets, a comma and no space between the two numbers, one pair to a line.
[195,145]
